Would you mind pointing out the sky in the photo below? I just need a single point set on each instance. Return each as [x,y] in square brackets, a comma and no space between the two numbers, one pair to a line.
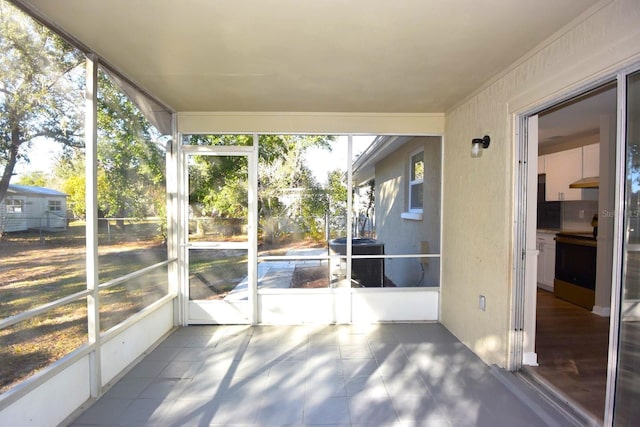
[42,154]
[321,161]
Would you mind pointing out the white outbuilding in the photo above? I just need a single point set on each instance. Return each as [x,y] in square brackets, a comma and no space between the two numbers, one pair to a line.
[29,207]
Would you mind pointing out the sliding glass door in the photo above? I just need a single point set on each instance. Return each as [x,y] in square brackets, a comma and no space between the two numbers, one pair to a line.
[627,393]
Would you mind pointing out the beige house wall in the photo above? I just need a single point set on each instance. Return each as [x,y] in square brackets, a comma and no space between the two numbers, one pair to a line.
[479,194]
[405,236]
[314,123]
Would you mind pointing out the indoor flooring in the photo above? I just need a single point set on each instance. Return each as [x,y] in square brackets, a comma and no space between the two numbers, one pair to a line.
[572,348]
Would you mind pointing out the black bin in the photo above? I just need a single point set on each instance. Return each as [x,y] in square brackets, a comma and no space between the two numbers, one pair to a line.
[369,272]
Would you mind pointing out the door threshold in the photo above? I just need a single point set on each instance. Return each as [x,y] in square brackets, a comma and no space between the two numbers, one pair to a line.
[559,399]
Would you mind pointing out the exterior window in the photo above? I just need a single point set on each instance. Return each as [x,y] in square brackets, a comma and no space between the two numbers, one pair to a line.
[416,182]
[55,205]
[14,205]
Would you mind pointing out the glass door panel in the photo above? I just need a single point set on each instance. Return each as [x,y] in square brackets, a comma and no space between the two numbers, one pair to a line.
[627,393]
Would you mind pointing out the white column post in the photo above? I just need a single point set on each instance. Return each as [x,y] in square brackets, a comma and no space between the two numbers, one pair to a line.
[91,177]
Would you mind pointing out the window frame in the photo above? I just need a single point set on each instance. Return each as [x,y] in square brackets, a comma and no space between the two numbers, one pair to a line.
[54,203]
[413,182]
[11,204]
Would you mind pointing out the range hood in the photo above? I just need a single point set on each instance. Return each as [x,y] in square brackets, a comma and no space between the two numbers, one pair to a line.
[589,182]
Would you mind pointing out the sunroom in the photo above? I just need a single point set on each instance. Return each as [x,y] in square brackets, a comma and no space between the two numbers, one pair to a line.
[238,163]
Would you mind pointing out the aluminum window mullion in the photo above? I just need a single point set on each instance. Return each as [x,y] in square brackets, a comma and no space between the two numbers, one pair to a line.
[252,220]
[618,249]
[91,176]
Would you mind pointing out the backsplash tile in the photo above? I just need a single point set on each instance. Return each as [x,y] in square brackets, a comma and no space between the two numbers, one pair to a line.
[571,214]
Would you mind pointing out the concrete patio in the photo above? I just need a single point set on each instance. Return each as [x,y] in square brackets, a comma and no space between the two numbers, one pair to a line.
[277,274]
[374,375]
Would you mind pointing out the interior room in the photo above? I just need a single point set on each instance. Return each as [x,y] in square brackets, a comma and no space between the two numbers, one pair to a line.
[576,142]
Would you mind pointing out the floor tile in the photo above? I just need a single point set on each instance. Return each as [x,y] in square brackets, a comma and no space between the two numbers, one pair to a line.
[164,388]
[148,369]
[371,410]
[104,412]
[277,412]
[358,351]
[329,387]
[180,370]
[128,388]
[359,367]
[403,384]
[146,411]
[415,407]
[366,385]
[333,410]
[379,375]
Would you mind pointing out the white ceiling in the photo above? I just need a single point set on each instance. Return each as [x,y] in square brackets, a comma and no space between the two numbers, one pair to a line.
[400,56]
[577,118]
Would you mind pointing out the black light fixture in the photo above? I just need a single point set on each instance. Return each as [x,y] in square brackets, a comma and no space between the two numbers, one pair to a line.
[479,144]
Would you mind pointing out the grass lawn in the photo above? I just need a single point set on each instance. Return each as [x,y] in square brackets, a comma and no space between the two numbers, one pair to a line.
[40,268]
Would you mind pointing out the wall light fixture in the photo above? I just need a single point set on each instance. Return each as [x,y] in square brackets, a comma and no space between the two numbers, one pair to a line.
[479,144]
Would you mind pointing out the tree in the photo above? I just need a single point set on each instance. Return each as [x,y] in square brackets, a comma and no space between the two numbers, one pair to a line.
[337,194]
[35,178]
[218,187]
[131,164]
[40,89]
[366,208]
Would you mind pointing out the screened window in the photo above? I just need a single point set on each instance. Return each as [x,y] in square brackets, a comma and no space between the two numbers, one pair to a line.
[55,205]
[416,180]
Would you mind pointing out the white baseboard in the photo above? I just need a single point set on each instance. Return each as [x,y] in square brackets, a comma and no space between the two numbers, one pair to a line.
[530,359]
[545,287]
[602,311]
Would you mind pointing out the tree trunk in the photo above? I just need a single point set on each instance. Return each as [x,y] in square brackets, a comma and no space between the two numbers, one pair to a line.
[11,163]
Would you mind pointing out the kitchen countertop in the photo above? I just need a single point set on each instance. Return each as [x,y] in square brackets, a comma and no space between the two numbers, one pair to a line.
[568,231]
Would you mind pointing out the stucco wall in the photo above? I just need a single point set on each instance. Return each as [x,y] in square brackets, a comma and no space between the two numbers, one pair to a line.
[478,206]
[403,236]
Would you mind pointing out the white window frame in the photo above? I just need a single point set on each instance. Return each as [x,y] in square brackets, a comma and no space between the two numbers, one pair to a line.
[12,204]
[413,182]
[55,206]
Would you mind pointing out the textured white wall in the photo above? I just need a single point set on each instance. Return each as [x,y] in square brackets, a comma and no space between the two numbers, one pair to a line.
[478,208]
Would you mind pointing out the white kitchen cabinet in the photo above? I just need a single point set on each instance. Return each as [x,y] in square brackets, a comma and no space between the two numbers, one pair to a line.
[591,160]
[563,168]
[541,160]
[546,260]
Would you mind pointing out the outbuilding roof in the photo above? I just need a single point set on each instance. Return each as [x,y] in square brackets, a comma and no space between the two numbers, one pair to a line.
[33,190]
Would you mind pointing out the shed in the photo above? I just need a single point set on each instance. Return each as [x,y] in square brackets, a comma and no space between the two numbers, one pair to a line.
[29,207]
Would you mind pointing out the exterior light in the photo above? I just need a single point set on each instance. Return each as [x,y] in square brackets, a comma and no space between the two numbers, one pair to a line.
[479,144]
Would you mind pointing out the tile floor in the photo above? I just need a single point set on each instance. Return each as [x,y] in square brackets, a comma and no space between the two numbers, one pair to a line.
[378,375]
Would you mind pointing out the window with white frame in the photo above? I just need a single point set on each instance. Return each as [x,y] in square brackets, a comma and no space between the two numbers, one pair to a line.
[14,205]
[55,205]
[416,178]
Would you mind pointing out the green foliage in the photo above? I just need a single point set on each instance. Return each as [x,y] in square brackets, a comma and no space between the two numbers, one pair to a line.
[130,164]
[35,178]
[41,81]
[131,167]
[218,185]
[337,193]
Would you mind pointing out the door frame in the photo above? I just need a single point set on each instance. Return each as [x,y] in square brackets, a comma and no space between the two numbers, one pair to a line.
[250,152]
[523,168]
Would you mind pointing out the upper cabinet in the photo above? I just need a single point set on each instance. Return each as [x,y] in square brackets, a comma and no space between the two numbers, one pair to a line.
[541,161]
[563,168]
[566,167]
